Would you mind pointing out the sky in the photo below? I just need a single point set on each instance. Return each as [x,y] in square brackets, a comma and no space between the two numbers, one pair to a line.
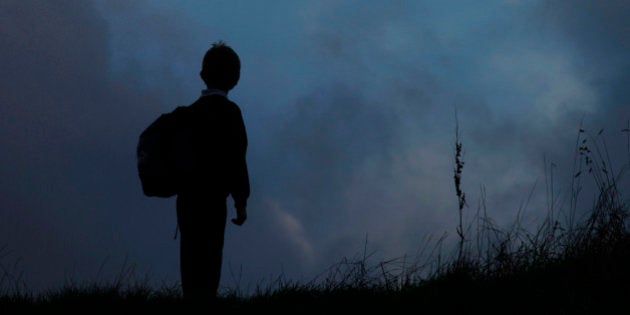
[350,107]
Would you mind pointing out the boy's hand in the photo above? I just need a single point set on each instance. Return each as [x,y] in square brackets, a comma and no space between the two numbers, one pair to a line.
[241,216]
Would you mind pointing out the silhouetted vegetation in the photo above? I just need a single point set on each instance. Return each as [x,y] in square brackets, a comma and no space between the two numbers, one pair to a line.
[569,266]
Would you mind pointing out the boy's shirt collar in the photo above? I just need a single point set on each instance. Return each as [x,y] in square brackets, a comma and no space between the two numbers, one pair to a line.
[208,92]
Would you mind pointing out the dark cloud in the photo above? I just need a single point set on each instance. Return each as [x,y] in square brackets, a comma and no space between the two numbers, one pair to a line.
[68,173]
[344,152]
[574,78]
[599,33]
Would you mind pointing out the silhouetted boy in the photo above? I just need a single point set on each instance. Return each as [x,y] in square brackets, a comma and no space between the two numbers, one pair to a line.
[216,169]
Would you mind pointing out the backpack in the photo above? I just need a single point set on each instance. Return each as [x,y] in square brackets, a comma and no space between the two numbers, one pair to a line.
[158,154]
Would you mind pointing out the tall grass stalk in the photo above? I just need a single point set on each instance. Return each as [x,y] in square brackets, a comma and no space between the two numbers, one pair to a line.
[461,196]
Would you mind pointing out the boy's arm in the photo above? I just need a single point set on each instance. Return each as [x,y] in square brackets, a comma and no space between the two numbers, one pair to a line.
[240,189]
[241,216]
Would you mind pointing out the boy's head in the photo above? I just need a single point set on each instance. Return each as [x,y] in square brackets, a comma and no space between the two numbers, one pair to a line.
[221,67]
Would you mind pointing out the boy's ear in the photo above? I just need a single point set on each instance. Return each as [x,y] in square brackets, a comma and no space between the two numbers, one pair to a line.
[202,76]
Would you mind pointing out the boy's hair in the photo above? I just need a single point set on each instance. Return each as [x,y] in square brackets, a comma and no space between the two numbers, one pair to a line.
[221,67]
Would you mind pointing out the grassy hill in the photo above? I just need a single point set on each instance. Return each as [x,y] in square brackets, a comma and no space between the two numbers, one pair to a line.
[596,281]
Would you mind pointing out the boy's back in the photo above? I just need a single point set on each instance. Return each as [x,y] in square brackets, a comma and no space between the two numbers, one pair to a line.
[217,145]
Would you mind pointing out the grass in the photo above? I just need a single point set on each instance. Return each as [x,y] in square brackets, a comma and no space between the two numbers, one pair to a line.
[569,266]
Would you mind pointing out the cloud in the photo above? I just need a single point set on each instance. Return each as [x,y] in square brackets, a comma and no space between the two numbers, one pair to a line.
[350,113]
[293,230]
[70,193]
[520,88]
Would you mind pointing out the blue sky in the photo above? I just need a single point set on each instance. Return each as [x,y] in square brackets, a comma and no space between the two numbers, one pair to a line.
[350,112]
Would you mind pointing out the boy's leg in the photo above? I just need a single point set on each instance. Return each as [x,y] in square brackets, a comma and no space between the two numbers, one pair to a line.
[201,252]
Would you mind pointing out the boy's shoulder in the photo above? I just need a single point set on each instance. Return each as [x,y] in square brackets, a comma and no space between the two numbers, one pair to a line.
[213,102]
